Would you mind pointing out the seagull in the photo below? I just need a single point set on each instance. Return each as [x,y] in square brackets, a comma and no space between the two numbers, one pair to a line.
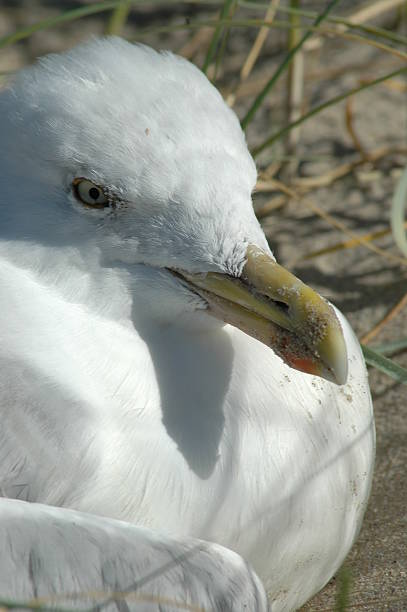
[158,366]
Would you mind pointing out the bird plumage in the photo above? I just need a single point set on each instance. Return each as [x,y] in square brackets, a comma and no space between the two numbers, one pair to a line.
[68,559]
[120,395]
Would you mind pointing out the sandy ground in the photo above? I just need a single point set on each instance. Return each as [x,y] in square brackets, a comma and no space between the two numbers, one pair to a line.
[361,283]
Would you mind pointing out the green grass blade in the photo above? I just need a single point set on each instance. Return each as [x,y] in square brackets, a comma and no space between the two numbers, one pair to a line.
[378,361]
[317,109]
[216,35]
[343,585]
[266,90]
[118,18]
[224,41]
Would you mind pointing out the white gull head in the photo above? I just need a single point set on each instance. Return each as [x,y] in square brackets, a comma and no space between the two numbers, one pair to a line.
[156,136]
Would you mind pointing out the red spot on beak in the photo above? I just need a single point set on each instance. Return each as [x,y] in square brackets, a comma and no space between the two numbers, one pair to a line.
[303,364]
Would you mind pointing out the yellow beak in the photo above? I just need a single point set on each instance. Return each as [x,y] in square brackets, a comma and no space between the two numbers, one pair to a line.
[275,307]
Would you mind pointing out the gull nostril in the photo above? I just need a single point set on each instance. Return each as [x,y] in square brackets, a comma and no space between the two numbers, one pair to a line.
[282,305]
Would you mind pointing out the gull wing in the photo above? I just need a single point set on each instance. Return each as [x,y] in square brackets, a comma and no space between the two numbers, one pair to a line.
[71,560]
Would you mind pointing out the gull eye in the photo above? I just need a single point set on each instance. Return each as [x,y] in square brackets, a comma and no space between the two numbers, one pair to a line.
[89,194]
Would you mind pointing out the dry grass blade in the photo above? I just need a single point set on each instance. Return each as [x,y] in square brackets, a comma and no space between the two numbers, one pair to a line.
[268,185]
[349,122]
[270,206]
[342,227]
[373,10]
[386,319]
[259,42]
[271,170]
[305,184]
[254,54]
[295,90]
[274,184]
[348,244]
[397,85]
[47,604]
[323,180]
[200,40]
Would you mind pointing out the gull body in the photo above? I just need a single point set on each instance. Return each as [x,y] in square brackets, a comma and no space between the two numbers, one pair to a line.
[120,394]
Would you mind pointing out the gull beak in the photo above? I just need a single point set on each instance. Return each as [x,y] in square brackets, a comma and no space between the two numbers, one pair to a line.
[275,307]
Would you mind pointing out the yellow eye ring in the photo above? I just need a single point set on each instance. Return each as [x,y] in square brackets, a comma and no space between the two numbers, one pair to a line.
[89,193]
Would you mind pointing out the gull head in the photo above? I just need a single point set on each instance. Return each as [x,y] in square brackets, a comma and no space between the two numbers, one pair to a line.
[119,159]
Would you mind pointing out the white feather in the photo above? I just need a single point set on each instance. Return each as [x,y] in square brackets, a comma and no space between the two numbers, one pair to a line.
[77,561]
